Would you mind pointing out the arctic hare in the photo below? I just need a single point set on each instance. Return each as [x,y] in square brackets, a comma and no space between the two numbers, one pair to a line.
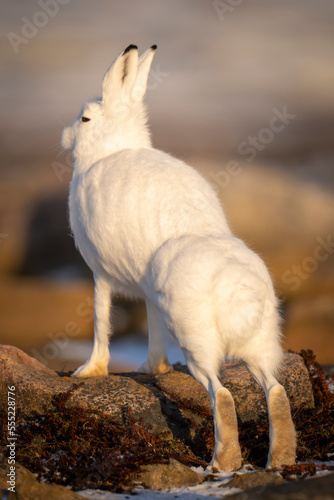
[150,226]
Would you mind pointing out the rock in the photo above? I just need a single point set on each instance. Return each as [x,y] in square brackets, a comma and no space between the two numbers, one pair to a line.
[12,356]
[163,401]
[254,480]
[172,475]
[40,491]
[319,488]
[28,488]
[36,385]
[22,475]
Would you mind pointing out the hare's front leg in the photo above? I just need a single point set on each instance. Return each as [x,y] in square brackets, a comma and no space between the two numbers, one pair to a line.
[157,361]
[97,364]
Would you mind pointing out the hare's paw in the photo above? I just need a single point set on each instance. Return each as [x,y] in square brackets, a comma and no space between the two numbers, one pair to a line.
[228,459]
[155,367]
[89,369]
[227,453]
[283,440]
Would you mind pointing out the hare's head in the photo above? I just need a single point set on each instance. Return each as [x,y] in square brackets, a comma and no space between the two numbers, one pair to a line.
[117,120]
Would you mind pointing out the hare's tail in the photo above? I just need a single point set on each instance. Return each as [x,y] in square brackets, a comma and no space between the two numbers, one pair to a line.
[247,318]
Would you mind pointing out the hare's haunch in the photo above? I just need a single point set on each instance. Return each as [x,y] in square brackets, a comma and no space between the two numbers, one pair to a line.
[150,226]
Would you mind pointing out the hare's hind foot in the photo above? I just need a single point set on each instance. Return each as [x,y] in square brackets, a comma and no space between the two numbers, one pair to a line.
[282,431]
[155,367]
[227,454]
[90,369]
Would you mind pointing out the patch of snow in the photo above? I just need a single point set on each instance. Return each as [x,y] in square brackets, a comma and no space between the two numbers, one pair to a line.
[213,489]
[200,492]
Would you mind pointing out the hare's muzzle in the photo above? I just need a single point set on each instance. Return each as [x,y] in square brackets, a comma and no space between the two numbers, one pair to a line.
[67,138]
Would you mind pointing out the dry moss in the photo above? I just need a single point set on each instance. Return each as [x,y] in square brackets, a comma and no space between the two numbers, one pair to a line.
[77,447]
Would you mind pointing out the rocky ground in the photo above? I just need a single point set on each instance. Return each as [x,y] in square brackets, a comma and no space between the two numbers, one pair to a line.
[133,431]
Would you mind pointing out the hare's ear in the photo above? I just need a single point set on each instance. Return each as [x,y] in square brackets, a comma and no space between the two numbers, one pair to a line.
[121,75]
[144,65]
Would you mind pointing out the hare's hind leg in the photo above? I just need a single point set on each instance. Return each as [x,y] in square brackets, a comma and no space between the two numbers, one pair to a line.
[282,434]
[157,361]
[282,431]
[97,364]
[227,453]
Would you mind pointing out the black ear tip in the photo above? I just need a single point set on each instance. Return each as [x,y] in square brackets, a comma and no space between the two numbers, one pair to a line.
[130,47]
[154,47]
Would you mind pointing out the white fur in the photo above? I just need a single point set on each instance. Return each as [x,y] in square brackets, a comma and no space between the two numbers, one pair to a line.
[150,226]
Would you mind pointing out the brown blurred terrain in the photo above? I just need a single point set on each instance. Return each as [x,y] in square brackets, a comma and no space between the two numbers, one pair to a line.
[244,94]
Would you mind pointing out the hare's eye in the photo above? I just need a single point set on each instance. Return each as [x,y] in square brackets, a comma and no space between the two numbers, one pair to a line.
[85,119]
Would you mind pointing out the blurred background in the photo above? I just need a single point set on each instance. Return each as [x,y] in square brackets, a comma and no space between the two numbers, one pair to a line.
[244,91]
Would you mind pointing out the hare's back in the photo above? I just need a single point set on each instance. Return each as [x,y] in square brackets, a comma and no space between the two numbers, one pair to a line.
[150,191]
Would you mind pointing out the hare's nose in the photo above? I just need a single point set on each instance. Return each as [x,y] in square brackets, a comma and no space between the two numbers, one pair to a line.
[67,138]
